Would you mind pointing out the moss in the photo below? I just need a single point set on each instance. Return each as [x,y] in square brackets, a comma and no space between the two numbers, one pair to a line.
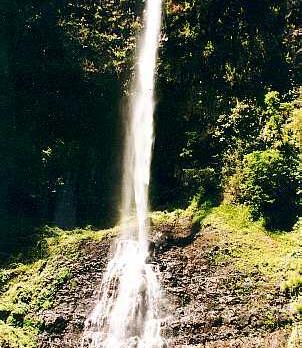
[293,284]
[13,337]
[271,322]
[251,246]
[196,212]
[276,257]
[27,288]
[165,217]
[297,307]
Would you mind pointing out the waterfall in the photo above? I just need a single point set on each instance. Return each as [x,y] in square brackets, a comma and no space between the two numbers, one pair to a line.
[127,314]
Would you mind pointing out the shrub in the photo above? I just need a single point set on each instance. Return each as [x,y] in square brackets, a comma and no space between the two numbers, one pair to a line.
[240,128]
[201,181]
[269,183]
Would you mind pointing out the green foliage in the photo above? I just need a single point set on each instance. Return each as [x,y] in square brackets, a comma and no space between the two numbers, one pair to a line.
[217,63]
[295,126]
[108,27]
[65,69]
[261,159]
[293,283]
[202,210]
[269,183]
[240,127]
[203,182]
[17,337]
[31,287]
[252,247]
[275,132]
[297,306]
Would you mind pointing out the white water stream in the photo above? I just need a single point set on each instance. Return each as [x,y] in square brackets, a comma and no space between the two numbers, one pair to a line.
[127,314]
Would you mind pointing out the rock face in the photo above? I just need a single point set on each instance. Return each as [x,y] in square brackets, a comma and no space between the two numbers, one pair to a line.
[64,324]
[209,304]
[215,306]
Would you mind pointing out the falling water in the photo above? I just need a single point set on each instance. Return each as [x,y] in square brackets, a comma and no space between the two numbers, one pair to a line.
[127,314]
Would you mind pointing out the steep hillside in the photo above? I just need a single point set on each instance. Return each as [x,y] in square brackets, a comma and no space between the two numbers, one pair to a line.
[226,284]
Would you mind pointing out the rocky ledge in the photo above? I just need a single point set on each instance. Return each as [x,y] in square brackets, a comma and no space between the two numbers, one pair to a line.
[208,303]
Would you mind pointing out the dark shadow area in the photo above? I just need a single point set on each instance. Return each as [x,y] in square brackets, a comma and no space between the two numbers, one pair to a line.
[17,238]
[60,119]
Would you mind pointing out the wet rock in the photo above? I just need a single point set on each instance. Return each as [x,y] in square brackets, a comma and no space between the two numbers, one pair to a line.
[207,305]
[4,314]
[64,323]
[54,323]
[225,307]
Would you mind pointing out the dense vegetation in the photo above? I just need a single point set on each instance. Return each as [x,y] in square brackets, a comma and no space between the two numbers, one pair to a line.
[228,145]
[228,118]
